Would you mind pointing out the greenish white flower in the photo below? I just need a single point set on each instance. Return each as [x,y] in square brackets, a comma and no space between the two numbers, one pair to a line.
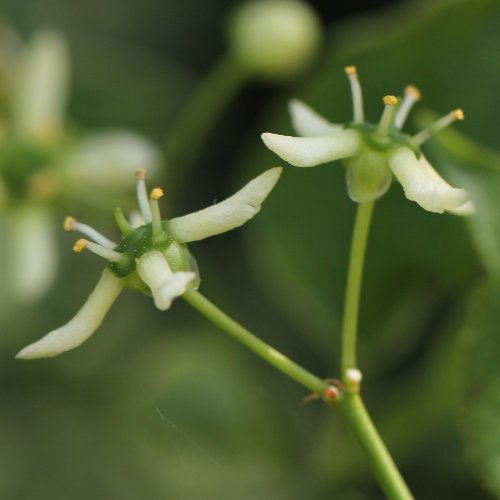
[40,162]
[152,257]
[374,154]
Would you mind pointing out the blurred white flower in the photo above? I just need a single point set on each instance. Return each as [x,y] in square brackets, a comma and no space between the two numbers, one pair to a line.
[152,258]
[374,154]
[38,157]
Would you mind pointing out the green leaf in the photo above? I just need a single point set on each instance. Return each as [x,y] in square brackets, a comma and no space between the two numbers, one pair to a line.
[479,355]
[477,168]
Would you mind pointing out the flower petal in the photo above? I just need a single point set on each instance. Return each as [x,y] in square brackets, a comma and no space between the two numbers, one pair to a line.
[82,326]
[307,122]
[109,159]
[468,208]
[228,214]
[41,89]
[312,151]
[421,183]
[32,252]
[136,219]
[165,285]
[174,287]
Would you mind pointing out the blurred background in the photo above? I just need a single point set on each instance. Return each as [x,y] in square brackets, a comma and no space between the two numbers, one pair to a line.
[162,405]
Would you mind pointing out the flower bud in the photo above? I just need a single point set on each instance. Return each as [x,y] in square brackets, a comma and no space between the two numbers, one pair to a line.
[274,39]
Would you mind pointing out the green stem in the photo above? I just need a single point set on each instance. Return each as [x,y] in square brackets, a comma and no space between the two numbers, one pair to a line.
[353,288]
[198,117]
[351,407]
[248,339]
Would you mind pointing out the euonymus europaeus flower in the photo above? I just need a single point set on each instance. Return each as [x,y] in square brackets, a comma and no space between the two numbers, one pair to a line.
[150,257]
[374,154]
[43,162]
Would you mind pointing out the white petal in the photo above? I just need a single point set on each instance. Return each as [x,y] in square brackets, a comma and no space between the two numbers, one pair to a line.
[468,208]
[110,158]
[307,122]
[228,214]
[136,219]
[41,88]
[174,287]
[165,285]
[82,326]
[32,252]
[421,183]
[312,151]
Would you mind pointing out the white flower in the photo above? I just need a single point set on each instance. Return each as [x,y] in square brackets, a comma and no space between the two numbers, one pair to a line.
[373,154]
[38,158]
[151,257]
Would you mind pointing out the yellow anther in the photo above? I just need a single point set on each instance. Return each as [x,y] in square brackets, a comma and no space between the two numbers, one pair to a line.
[350,70]
[80,245]
[69,224]
[458,114]
[157,193]
[413,91]
[141,173]
[390,100]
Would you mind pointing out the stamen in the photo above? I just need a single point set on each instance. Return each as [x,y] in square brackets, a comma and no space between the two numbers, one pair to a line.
[108,254]
[357,94]
[156,194]
[122,222]
[412,95]
[71,224]
[80,245]
[443,122]
[388,115]
[142,195]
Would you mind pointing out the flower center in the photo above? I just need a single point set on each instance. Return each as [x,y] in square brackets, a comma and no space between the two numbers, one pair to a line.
[145,234]
[136,244]
[22,166]
[385,143]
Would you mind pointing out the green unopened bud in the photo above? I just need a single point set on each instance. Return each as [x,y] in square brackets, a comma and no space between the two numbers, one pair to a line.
[368,176]
[274,39]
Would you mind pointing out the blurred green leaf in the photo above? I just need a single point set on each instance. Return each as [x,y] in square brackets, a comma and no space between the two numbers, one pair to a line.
[477,168]
[479,355]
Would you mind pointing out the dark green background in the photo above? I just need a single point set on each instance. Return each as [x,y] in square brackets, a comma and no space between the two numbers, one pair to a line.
[161,405]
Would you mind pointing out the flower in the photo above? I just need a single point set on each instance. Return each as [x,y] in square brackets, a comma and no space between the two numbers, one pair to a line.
[41,162]
[374,154]
[151,256]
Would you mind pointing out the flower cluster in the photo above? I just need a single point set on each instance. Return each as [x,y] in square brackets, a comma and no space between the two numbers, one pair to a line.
[374,154]
[151,256]
[42,161]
